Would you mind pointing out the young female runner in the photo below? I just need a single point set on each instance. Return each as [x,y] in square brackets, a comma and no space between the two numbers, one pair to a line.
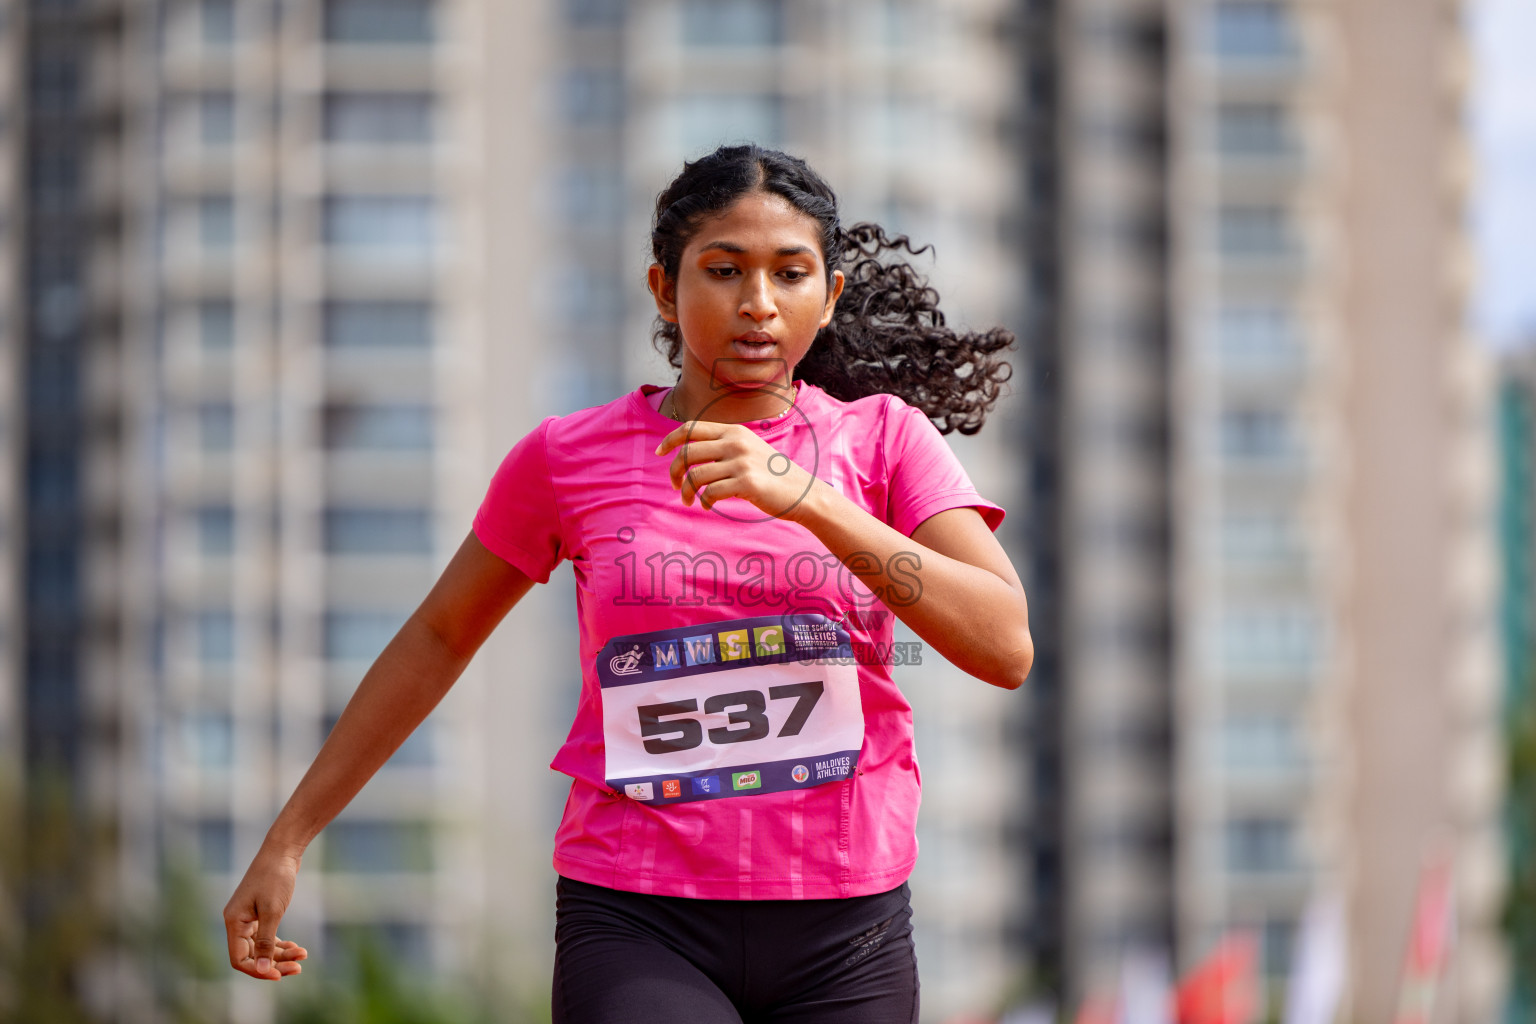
[741,821]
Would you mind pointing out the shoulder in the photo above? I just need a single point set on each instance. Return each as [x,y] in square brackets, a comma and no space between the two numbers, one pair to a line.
[886,419]
[871,414]
[596,424]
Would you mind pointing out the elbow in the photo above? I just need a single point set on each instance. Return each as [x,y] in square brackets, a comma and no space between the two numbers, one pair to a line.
[1014,669]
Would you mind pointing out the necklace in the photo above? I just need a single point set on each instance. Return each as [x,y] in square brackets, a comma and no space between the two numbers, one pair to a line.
[669,408]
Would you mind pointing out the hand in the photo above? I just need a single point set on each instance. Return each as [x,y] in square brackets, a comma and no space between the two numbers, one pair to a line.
[726,460]
[252,914]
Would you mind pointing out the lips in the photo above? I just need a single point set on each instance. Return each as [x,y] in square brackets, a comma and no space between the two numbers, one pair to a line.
[754,344]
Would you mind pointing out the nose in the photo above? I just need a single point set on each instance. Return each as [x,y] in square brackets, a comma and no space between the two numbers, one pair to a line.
[757,298]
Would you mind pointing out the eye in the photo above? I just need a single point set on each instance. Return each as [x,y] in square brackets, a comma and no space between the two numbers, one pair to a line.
[722,272]
[793,275]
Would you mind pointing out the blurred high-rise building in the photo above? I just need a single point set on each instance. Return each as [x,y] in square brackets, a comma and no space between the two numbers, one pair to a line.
[318,375]
[1517,619]
[1270,454]
[59,353]
[59,241]
[250,273]
[12,488]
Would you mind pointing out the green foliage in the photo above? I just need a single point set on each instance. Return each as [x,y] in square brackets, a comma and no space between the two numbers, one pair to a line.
[60,919]
[181,952]
[1519,917]
[372,990]
[51,858]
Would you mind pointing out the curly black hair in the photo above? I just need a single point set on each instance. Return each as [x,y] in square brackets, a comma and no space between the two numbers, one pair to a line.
[887,334]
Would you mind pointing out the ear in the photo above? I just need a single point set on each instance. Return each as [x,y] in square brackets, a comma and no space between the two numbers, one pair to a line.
[664,290]
[832,296]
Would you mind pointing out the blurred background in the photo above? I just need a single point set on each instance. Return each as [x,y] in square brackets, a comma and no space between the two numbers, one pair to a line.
[281,281]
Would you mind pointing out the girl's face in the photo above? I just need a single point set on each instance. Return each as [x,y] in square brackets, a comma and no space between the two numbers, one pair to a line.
[750,294]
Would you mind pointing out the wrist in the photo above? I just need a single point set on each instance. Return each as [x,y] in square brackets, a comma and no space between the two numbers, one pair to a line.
[279,846]
[812,508]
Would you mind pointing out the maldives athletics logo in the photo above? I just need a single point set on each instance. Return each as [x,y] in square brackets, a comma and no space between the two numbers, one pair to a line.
[799,773]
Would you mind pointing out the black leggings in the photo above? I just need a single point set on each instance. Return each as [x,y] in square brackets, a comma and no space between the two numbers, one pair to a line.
[630,958]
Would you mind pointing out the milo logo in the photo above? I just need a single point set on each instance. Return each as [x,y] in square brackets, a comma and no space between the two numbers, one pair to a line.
[746,780]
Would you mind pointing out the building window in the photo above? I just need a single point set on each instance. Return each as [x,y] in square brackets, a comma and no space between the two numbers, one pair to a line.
[733,22]
[705,120]
[209,740]
[218,22]
[1260,538]
[591,194]
[590,297]
[377,325]
[55,175]
[901,123]
[416,752]
[1253,231]
[216,844]
[906,22]
[378,118]
[216,118]
[378,846]
[1253,130]
[53,480]
[389,22]
[216,426]
[1279,943]
[1252,29]
[216,222]
[378,531]
[593,13]
[55,83]
[358,635]
[1128,633]
[387,227]
[1270,639]
[53,579]
[1261,744]
[593,97]
[216,324]
[1257,434]
[216,637]
[216,530]
[390,426]
[1257,335]
[1260,844]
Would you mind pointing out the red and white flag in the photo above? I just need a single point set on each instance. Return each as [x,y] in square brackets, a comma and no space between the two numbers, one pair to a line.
[1429,945]
[1224,987]
[1317,965]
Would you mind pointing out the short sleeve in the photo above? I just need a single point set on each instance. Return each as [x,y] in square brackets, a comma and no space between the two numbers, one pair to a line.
[925,477]
[518,520]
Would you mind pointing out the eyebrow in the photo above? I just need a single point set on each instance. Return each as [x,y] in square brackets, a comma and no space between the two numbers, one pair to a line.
[789,250]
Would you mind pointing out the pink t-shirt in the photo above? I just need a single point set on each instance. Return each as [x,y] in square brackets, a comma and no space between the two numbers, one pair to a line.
[738,734]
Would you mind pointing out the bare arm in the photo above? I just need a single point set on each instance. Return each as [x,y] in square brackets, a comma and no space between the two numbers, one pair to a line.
[407,680]
[951,581]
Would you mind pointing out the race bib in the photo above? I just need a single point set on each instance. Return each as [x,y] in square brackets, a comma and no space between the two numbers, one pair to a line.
[735,708]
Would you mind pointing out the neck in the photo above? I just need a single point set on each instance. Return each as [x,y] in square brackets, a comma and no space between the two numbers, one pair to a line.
[769,402]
